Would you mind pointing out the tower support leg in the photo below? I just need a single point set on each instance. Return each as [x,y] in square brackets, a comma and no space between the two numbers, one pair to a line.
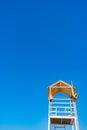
[73,127]
[49,126]
[76,124]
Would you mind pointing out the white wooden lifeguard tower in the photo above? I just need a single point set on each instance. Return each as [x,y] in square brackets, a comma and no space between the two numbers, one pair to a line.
[62,110]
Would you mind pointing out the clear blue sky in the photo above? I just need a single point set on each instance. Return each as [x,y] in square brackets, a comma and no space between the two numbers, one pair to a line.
[41,42]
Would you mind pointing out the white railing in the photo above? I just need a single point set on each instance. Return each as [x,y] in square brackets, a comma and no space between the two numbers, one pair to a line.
[62,107]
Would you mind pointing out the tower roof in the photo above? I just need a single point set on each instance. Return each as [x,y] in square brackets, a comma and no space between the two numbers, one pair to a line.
[61,86]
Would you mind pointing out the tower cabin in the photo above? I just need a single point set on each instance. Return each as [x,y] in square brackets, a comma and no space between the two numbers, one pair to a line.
[62,107]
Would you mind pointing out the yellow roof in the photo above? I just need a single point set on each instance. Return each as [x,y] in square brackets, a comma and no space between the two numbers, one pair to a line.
[61,86]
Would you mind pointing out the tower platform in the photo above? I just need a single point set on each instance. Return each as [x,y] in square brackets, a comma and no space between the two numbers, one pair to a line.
[62,120]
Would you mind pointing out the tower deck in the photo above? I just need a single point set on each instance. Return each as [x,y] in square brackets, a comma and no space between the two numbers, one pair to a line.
[62,120]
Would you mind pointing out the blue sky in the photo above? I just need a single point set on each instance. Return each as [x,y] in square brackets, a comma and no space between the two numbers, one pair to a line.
[41,42]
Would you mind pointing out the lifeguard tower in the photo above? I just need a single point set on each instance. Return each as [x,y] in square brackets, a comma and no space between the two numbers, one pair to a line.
[62,107]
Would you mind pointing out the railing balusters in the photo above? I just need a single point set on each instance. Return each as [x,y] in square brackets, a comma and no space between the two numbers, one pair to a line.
[62,107]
